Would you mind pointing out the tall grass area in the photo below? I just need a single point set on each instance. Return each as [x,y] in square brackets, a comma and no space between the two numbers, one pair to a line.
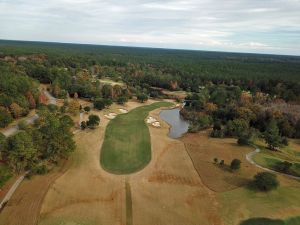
[127,145]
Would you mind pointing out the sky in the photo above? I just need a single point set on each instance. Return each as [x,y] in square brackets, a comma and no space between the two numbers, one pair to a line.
[258,26]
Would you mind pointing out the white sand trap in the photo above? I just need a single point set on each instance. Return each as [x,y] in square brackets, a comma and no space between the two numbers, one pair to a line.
[123,110]
[156,124]
[151,120]
[111,116]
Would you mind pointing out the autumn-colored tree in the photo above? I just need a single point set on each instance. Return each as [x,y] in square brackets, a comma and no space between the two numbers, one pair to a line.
[245,98]
[43,98]
[16,110]
[31,100]
[73,107]
[210,107]
[56,90]
[246,113]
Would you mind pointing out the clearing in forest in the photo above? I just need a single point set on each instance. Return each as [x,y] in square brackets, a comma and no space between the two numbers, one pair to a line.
[127,146]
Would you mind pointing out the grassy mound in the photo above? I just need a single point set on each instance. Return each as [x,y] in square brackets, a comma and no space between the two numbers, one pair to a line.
[127,146]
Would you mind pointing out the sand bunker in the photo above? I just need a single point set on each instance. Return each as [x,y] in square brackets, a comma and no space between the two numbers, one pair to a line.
[153,121]
[123,110]
[111,116]
[156,124]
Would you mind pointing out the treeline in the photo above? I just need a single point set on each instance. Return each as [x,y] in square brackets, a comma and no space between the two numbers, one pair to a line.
[232,112]
[171,69]
[38,148]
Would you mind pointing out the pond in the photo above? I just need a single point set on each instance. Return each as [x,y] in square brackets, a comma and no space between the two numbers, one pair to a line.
[178,125]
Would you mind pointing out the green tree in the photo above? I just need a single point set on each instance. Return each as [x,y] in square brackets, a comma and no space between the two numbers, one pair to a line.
[142,97]
[99,103]
[271,135]
[87,109]
[265,181]
[54,136]
[93,121]
[21,152]
[121,100]
[235,164]
[5,118]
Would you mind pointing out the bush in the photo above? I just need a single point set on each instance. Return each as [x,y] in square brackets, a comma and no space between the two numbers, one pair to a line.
[243,141]
[142,97]
[217,134]
[265,181]
[93,121]
[235,164]
[222,162]
[83,125]
[283,167]
[87,108]
[99,104]
[121,100]
[216,160]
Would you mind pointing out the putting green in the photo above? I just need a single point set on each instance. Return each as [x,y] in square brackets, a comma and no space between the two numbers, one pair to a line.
[127,145]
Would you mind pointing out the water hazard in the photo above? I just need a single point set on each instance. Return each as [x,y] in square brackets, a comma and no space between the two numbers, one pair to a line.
[178,125]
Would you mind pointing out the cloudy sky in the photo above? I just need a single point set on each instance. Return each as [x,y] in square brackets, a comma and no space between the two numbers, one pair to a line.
[264,26]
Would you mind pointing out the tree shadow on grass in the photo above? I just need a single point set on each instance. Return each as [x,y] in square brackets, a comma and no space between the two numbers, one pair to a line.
[262,221]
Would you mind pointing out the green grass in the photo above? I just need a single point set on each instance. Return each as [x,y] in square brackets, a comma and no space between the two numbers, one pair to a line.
[268,160]
[5,174]
[127,145]
[252,204]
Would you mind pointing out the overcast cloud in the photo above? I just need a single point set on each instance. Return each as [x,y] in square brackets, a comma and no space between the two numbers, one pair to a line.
[264,26]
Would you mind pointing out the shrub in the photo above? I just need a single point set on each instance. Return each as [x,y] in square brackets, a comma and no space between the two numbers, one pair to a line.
[142,97]
[265,181]
[93,121]
[222,162]
[99,104]
[83,125]
[217,134]
[283,166]
[216,160]
[121,100]
[235,164]
[87,108]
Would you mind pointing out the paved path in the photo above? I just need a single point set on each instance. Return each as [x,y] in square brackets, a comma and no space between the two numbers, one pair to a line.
[12,190]
[51,99]
[249,158]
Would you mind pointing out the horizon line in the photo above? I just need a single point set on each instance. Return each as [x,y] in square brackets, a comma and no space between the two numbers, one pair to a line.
[149,47]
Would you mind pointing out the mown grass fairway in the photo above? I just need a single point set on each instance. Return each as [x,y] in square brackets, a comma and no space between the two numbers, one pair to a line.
[127,147]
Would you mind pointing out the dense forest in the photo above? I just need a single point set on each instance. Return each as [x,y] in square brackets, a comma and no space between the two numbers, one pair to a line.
[171,69]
